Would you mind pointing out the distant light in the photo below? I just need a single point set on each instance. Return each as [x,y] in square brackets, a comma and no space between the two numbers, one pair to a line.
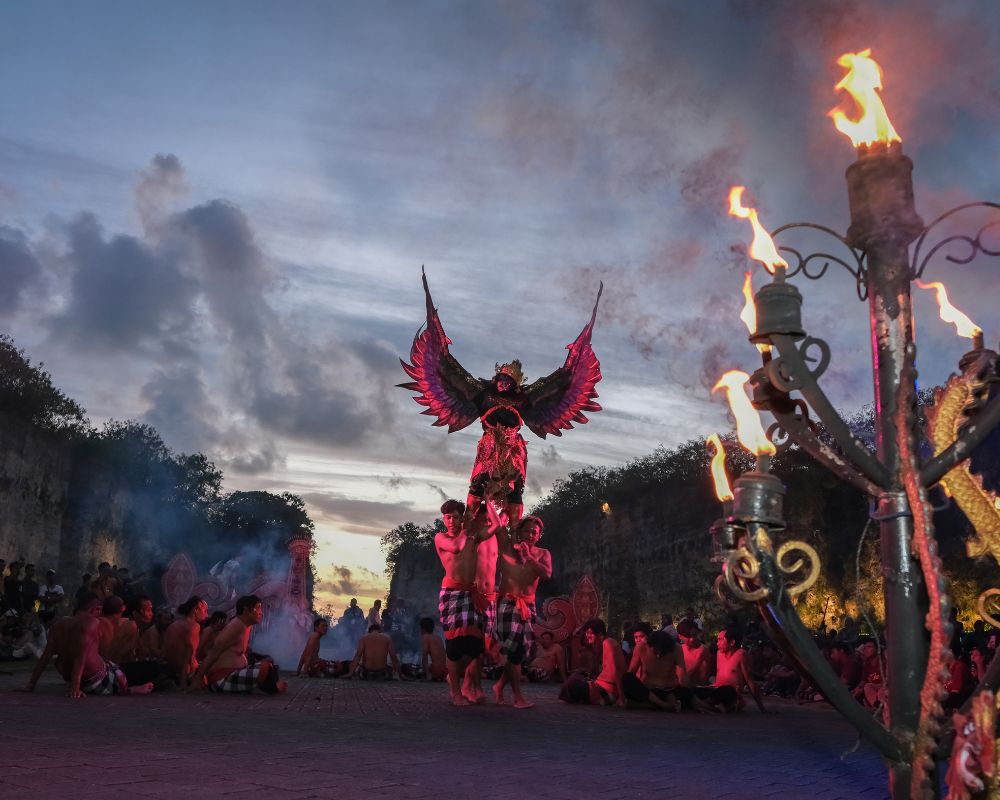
[606,508]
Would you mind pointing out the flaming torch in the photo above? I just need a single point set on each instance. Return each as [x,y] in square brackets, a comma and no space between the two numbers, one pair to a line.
[762,248]
[748,316]
[724,534]
[862,82]
[963,325]
[758,495]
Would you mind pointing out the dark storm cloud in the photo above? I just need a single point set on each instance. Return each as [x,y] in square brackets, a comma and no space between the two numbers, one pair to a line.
[19,267]
[123,293]
[370,517]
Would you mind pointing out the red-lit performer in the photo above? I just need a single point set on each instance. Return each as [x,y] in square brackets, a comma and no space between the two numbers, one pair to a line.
[522,565]
[549,405]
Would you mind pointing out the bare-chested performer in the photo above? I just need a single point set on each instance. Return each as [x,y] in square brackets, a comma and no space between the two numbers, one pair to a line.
[522,565]
[227,668]
[118,636]
[209,630]
[463,624]
[74,642]
[731,675]
[375,654]
[664,682]
[549,662]
[697,657]
[606,688]
[309,662]
[180,641]
[433,662]
[484,595]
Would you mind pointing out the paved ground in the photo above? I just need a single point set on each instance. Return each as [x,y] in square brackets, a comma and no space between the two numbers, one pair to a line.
[349,739]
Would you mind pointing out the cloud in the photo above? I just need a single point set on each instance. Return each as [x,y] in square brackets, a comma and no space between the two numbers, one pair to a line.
[341,580]
[19,267]
[369,517]
[160,186]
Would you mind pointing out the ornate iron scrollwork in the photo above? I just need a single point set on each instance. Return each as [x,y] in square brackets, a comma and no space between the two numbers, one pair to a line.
[807,559]
[968,245]
[785,379]
[804,265]
[988,607]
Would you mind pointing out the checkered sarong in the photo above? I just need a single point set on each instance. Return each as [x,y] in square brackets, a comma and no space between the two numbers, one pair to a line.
[459,616]
[105,684]
[239,681]
[490,619]
[515,631]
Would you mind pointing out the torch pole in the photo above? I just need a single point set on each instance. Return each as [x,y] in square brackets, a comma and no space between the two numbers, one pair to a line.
[883,223]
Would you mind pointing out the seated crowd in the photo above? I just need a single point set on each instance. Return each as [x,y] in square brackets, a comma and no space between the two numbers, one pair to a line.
[114,645]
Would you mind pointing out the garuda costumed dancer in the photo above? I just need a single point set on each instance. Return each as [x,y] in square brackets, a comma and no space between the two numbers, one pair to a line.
[502,404]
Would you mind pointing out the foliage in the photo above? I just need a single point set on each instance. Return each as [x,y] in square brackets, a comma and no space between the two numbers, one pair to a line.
[409,543]
[27,394]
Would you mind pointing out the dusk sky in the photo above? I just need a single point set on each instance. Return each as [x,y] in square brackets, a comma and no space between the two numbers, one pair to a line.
[213,217]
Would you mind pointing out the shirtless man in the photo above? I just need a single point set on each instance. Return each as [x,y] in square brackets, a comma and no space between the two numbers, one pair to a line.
[522,565]
[227,669]
[151,640]
[697,658]
[180,642]
[664,682]
[375,651]
[309,661]
[606,689]
[457,547]
[74,641]
[117,637]
[433,662]
[212,627]
[549,660]
[484,595]
[731,675]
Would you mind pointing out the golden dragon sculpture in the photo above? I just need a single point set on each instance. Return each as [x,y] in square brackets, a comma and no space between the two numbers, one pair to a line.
[973,769]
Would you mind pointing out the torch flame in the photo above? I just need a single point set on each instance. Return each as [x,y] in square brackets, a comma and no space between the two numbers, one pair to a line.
[749,313]
[749,430]
[762,248]
[963,325]
[722,490]
[863,79]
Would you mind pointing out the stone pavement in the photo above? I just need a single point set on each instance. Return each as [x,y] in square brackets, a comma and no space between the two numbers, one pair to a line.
[350,739]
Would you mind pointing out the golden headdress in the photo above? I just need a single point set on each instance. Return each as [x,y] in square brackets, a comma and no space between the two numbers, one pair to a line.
[512,371]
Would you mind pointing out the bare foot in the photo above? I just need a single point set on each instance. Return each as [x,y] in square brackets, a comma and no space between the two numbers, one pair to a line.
[144,688]
[459,700]
[498,693]
[520,702]
[282,687]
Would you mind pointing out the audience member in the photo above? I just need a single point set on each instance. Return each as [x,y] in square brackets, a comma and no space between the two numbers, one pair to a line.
[52,598]
[667,625]
[12,589]
[31,643]
[869,689]
[375,615]
[29,589]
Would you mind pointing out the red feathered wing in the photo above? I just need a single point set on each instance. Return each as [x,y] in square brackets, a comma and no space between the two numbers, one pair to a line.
[558,400]
[441,383]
